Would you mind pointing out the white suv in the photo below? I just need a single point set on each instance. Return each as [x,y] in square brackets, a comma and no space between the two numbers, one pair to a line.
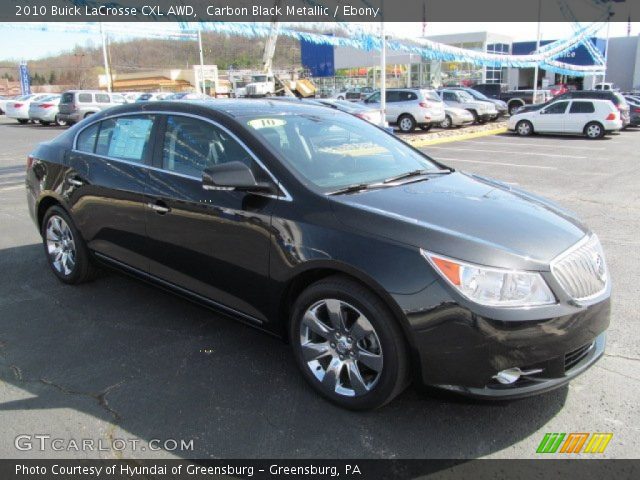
[482,111]
[589,117]
[409,108]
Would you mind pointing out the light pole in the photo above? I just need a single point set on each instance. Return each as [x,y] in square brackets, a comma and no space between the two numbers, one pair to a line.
[535,74]
[383,74]
[107,70]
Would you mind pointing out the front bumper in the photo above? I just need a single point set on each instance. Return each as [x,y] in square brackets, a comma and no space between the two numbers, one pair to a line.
[461,351]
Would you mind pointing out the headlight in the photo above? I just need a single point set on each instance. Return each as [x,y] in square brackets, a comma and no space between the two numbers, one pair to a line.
[493,287]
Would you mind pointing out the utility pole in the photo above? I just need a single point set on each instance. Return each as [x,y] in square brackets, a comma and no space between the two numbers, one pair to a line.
[535,74]
[606,45]
[107,70]
[200,84]
[383,73]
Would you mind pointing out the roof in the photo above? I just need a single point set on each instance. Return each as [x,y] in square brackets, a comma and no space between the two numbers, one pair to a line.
[245,107]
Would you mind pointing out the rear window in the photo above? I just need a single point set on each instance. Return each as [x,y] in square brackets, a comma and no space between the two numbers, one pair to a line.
[431,95]
[618,99]
[85,98]
[67,97]
[102,98]
[582,107]
[125,138]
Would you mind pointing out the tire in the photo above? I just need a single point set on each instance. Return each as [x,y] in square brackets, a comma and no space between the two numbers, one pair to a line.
[447,122]
[329,361]
[476,119]
[22,121]
[426,127]
[45,123]
[406,123]
[59,122]
[76,267]
[524,128]
[594,130]
[513,106]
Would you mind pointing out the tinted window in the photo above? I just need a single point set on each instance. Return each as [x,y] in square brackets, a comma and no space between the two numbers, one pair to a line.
[87,139]
[191,145]
[582,107]
[556,108]
[85,98]
[449,97]
[374,98]
[406,96]
[102,98]
[393,96]
[126,138]
[118,99]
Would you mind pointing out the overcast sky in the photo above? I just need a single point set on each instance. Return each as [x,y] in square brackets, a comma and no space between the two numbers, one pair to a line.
[29,44]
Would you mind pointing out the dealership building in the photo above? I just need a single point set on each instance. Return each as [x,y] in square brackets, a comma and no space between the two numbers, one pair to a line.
[349,66]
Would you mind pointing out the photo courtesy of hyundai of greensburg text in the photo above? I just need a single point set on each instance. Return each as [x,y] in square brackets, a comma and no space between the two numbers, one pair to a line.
[309,239]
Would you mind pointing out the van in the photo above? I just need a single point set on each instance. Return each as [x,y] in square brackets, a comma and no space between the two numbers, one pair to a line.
[76,105]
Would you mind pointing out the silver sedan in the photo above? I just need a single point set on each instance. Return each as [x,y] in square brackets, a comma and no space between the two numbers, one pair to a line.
[456,117]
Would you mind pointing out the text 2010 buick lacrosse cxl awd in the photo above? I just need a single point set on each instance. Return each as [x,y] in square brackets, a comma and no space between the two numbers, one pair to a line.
[380,265]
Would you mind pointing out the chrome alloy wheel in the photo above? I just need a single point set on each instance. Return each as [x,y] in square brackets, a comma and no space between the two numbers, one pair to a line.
[341,347]
[406,124]
[60,245]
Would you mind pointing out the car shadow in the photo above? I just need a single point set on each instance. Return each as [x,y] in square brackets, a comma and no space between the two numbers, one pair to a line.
[549,136]
[160,367]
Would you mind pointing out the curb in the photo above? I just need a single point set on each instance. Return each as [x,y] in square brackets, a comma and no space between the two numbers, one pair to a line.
[423,142]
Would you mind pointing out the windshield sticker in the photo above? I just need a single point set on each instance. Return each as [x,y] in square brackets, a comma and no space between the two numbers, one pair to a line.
[259,123]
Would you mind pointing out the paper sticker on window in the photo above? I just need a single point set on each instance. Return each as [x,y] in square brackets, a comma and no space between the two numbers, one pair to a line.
[259,123]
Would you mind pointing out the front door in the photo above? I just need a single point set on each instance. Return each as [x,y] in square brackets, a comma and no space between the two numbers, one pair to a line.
[214,243]
[551,118]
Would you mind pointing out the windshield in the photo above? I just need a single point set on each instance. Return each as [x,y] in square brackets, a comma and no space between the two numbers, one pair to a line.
[259,78]
[477,95]
[464,96]
[336,150]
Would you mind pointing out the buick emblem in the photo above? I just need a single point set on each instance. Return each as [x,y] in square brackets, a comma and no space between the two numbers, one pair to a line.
[599,267]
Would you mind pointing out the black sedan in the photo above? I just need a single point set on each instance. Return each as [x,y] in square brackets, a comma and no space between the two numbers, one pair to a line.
[380,265]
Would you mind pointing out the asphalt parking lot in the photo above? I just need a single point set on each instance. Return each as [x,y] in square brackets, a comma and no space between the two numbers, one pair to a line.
[118,359]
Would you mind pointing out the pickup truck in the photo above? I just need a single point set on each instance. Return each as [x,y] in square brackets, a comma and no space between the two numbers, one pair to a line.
[513,98]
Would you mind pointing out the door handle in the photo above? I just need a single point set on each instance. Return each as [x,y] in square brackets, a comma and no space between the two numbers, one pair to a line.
[158,208]
[75,182]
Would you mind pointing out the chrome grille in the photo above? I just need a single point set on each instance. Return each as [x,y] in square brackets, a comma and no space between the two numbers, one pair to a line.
[581,270]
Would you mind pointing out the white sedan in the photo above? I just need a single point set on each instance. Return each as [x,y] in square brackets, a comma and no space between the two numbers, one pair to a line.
[19,108]
[590,117]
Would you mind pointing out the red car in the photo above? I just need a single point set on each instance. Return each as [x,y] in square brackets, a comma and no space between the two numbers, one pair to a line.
[558,89]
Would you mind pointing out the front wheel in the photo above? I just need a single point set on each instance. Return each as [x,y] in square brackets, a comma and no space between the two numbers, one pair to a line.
[447,122]
[406,123]
[348,345]
[524,128]
[426,127]
[66,251]
[594,130]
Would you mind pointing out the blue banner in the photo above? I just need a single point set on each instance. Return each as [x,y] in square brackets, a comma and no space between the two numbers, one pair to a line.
[25,81]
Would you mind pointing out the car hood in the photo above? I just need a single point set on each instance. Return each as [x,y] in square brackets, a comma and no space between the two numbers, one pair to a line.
[468,217]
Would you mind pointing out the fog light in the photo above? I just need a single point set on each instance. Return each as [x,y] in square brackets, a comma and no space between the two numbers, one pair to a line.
[511,375]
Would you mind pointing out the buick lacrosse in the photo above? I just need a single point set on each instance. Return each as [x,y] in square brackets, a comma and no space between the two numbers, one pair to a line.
[380,265]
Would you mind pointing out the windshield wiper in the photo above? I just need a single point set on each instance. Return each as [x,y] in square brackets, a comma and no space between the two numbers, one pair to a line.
[356,187]
[416,173]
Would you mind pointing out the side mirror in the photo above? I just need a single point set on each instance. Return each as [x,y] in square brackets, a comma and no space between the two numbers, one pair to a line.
[233,176]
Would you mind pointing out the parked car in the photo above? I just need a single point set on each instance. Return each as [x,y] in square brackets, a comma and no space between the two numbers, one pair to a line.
[513,98]
[3,103]
[380,264]
[188,96]
[482,111]
[131,97]
[591,118]
[409,108]
[616,98]
[605,86]
[456,117]
[501,107]
[634,110]
[18,109]
[359,110]
[45,110]
[76,105]
[354,94]
[153,96]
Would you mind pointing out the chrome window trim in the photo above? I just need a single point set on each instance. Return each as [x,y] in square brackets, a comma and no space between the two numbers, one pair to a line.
[287,196]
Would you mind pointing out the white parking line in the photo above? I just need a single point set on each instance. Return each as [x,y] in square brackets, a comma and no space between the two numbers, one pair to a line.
[521,165]
[13,187]
[457,149]
[547,145]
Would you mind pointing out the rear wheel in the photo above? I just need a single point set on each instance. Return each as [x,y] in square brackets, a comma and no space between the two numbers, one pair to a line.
[594,130]
[348,345]
[447,122]
[59,122]
[524,128]
[406,123]
[66,251]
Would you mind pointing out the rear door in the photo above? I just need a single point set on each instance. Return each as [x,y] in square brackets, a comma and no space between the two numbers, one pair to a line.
[580,113]
[109,167]
[214,243]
